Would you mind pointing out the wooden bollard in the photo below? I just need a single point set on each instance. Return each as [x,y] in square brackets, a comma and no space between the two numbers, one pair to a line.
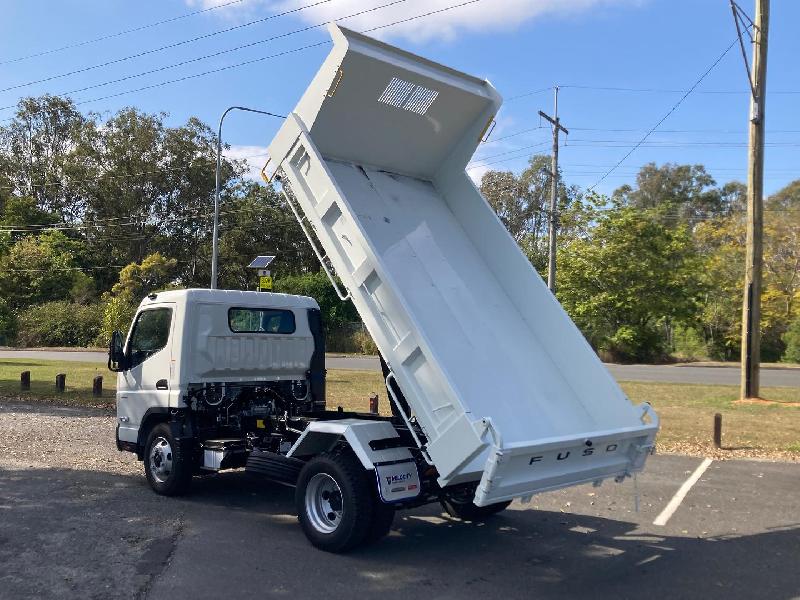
[718,430]
[61,382]
[25,380]
[373,404]
[97,386]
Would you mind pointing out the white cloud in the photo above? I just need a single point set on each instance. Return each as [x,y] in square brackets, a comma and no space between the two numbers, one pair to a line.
[477,172]
[253,156]
[483,16]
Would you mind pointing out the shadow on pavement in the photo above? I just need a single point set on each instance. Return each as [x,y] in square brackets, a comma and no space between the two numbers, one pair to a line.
[90,534]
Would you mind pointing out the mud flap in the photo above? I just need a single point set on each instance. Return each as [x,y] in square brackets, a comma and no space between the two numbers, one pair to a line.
[397,481]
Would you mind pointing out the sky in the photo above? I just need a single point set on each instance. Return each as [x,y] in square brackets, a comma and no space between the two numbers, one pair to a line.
[621,66]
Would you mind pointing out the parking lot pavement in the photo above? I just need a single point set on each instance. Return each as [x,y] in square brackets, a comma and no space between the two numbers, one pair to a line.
[102,533]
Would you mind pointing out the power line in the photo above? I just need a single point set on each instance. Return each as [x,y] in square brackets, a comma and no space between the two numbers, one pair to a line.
[510,135]
[637,129]
[531,93]
[183,63]
[667,115]
[482,158]
[162,48]
[119,33]
[669,144]
[669,91]
[283,53]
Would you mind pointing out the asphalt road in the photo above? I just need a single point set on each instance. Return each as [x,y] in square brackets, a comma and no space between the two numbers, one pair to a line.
[661,373]
[101,533]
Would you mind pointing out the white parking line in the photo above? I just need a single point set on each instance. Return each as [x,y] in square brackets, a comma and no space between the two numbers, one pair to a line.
[673,505]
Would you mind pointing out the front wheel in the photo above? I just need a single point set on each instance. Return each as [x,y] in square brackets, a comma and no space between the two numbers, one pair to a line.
[334,502]
[168,471]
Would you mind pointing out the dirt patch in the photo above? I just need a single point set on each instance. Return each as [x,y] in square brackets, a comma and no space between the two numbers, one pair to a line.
[765,402]
[702,449]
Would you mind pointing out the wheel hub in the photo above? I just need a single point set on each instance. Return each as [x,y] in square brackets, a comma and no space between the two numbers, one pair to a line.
[161,459]
[324,505]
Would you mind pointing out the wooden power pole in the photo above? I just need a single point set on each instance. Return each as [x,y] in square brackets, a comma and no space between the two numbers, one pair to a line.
[751,306]
[553,220]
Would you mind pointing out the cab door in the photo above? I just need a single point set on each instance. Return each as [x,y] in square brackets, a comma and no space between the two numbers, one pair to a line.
[144,384]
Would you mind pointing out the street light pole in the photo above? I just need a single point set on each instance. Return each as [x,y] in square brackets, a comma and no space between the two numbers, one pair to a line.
[215,234]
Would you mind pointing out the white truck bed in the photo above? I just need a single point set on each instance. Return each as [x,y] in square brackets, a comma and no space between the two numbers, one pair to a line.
[502,383]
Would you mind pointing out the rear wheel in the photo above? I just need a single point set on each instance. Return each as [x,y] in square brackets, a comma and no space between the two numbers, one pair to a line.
[168,472]
[334,502]
[461,506]
[382,519]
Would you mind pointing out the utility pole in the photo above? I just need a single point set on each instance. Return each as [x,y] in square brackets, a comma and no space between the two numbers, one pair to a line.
[751,306]
[553,220]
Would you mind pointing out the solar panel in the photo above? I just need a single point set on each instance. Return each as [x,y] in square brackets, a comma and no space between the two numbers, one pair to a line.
[261,262]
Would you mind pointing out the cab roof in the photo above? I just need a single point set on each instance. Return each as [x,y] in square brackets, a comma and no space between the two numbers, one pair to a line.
[231,298]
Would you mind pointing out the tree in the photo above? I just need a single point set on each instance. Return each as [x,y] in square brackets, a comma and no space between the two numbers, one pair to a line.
[679,193]
[254,221]
[627,279]
[22,212]
[792,340]
[150,188]
[720,243]
[8,323]
[136,280]
[523,205]
[39,153]
[38,269]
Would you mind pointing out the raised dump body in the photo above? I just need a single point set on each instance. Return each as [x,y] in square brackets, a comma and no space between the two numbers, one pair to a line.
[502,383]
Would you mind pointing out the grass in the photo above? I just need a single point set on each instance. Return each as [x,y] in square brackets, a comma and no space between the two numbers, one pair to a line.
[43,381]
[687,414]
[686,410]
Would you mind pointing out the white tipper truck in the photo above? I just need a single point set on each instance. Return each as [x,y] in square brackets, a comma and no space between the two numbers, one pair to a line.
[495,394]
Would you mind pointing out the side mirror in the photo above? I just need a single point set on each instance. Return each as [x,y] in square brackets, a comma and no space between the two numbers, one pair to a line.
[116,354]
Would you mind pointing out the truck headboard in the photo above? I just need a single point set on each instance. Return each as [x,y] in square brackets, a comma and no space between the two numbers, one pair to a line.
[371,103]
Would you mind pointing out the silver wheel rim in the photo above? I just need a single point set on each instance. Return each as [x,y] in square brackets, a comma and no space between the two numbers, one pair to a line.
[161,459]
[324,506]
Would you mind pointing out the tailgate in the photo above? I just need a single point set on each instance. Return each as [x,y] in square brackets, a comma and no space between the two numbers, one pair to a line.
[520,469]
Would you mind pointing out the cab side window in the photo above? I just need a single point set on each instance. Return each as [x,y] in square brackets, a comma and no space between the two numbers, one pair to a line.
[150,334]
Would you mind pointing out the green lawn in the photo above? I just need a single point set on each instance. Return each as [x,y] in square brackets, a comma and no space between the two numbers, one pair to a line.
[686,410]
[43,381]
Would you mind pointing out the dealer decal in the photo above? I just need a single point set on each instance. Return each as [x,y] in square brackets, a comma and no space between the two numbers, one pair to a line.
[398,481]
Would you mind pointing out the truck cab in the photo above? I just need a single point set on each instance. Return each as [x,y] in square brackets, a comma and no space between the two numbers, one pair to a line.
[186,343]
[209,380]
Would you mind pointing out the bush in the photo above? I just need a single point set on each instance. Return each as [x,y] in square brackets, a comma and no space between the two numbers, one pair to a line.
[792,340]
[335,313]
[365,343]
[118,312]
[59,323]
[8,323]
[689,343]
[634,344]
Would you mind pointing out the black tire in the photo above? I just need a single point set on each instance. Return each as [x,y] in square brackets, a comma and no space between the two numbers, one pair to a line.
[168,471]
[468,511]
[382,519]
[334,502]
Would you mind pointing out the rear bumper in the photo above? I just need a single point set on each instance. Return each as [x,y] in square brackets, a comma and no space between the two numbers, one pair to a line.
[519,470]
